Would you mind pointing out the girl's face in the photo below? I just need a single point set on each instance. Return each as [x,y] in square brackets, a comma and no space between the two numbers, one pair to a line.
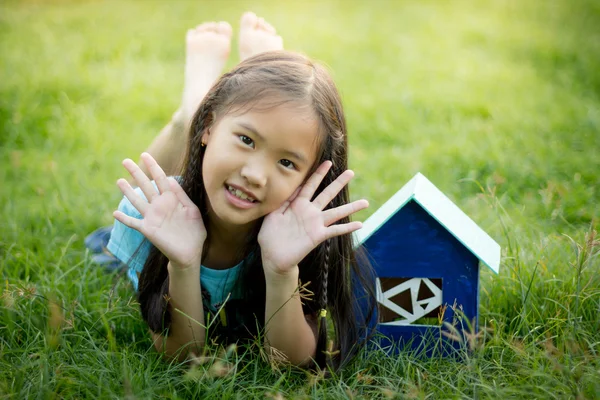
[256,160]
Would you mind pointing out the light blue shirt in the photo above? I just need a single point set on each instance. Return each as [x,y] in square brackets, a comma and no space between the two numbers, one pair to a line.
[132,248]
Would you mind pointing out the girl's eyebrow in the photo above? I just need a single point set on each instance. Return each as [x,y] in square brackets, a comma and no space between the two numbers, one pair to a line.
[250,128]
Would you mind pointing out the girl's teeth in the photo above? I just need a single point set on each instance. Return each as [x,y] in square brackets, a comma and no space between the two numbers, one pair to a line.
[239,193]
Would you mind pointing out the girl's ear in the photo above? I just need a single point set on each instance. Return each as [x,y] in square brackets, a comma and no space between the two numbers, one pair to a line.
[205,137]
[206,134]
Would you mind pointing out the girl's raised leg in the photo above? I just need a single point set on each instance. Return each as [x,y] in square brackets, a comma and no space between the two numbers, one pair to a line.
[207,49]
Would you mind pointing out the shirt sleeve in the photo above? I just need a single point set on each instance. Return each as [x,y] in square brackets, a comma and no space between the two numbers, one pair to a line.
[127,244]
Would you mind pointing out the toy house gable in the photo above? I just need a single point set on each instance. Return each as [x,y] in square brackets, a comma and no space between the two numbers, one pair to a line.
[443,210]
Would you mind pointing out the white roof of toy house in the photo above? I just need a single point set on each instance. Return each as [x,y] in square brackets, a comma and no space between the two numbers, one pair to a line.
[442,209]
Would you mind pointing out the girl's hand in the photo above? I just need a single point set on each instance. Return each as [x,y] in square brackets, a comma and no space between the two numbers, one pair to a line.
[171,221]
[288,234]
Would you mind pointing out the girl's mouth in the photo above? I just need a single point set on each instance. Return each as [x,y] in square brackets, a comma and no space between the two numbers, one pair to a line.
[239,198]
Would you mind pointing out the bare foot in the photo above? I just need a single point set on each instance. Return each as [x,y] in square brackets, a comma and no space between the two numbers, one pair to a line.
[257,36]
[207,49]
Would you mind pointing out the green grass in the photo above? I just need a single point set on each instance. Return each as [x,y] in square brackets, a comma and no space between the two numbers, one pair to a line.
[497,103]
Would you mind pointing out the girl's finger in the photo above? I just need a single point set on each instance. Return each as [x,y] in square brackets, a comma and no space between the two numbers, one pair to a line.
[335,214]
[136,200]
[176,188]
[312,184]
[126,220]
[342,229]
[333,189]
[157,173]
[289,201]
[141,179]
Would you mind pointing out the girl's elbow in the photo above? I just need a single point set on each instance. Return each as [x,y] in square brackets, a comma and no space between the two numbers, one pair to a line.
[172,350]
[277,356]
[303,362]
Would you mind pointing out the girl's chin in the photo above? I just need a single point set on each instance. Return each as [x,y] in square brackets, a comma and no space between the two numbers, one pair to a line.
[234,218]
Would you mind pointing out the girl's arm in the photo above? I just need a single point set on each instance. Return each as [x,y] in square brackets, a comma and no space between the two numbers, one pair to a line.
[171,222]
[187,331]
[287,236]
[286,327]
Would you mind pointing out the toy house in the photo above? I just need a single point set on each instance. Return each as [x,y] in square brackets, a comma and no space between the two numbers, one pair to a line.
[426,254]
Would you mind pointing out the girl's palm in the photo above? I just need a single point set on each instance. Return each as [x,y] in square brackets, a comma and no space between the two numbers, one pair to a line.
[288,234]
[170,220]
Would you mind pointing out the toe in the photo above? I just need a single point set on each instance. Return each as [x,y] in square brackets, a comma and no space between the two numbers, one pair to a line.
[249,20]
[264,25]
[207,27]
[224,28]
[268,27]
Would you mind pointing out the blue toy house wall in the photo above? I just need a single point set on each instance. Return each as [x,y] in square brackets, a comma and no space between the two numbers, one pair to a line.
[414,244]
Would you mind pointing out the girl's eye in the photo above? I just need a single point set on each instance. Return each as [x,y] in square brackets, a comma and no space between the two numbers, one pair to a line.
[287,164]
[246,140]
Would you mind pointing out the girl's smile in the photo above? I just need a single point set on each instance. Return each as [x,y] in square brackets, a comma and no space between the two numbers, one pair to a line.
[254,161]
[240,197]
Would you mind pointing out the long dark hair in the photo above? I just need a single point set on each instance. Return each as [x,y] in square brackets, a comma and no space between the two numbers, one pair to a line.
[331,270]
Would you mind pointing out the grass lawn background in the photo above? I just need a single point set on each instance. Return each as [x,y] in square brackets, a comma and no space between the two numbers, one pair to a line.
[496,102]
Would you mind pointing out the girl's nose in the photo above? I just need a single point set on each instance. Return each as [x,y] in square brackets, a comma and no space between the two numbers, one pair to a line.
[255,173]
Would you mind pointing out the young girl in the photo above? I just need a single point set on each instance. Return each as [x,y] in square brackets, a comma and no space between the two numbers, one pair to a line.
[261,208]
